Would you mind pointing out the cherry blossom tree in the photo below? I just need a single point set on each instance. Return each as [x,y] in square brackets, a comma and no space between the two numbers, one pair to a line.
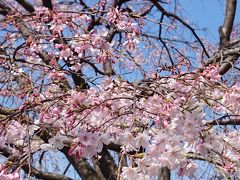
[120,89]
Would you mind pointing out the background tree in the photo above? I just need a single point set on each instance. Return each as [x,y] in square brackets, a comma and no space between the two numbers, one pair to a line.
[120,89]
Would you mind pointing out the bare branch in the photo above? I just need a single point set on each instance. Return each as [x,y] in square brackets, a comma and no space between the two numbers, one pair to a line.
[226,29]
[35,172]
[224,123]
[169,14]
[225,33]
[6,111]
[26,5]
[4,9]
[201,158]
[44,175]
[48,4]
[107,65]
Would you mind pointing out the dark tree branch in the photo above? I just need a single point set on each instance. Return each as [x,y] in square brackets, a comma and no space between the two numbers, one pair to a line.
[107,65]
[48,4]
[146,12]
[26,34]
[107,165]
[114,147]
[26,5]
[169,14]
[225,33]
[119,2]
[226,29]
[82,166]
[163,42]
[226,54]
[33,171]
[44,175]
[221,121]
[164,174]
[224,123]
[83,4]
[6,111]
[93,66]
[233,42]
[201,158]
[4,9]
[227,64]
[66,169]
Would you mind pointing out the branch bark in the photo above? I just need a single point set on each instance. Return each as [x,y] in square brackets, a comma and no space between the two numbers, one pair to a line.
[164,174]
[4,9]
[44,175]
[107,65]
[223,54]
[107,165]
[82,166]
[26,5]
[226,29]
[225,33]
[48,4]
[6,111]
[224,123]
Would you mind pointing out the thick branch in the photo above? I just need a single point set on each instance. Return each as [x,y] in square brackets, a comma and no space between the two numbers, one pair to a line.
[6,111]
[4,9]
[226,29]
[201,158]
[164,174]
[107,165]
[48,4]
[26,5]
[26,34]
[225,33]
[107,65]
[225,55]
[44,175]
[227,64]
[224,123]
[114,147]
[83,168]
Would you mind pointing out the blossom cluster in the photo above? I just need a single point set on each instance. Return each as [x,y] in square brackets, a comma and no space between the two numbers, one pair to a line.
[166,119]
[170,124]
